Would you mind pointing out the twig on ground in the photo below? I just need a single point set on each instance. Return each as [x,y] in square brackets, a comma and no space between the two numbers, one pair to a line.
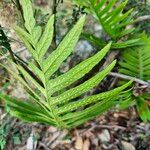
[143,18]
[44,146]
[110,127]
[122,76]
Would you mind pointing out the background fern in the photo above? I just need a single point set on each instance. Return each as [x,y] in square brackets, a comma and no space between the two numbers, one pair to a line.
[135,60]
[50,106]
[136,63]
[113,20]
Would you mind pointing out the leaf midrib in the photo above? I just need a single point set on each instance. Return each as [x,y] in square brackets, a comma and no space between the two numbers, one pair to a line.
[55,116]
[141,69]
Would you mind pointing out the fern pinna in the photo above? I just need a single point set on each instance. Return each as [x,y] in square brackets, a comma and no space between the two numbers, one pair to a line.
[48,103]
[136,63]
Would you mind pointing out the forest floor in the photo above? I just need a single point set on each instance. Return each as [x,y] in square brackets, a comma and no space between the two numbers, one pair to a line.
[112,131]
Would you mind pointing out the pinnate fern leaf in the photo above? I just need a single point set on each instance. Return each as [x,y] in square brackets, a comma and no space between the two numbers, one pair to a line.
[136,60]
[110,15]
[136,63]
[61,110]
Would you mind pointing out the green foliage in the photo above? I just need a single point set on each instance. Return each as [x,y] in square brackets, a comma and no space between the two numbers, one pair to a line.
[4,42]
[136,63]
[10,133]
[50,105]
[4,132]
[114,21]
[115,45]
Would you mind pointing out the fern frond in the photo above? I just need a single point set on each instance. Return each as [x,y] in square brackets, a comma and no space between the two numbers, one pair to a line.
[60,110]
[136,63]
[115,45]
[110,15]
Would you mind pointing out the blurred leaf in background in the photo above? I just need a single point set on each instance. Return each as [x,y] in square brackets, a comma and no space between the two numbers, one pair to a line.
[4,42]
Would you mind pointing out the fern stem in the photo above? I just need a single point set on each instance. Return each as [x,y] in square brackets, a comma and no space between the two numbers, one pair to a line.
[53,111]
